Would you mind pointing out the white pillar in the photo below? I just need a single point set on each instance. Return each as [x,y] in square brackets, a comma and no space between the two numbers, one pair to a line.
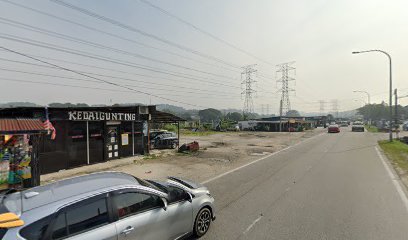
[87,142]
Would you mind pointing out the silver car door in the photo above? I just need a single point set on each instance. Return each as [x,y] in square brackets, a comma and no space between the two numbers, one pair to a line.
[107,232]
[88,220]
[180,212]
[141,216]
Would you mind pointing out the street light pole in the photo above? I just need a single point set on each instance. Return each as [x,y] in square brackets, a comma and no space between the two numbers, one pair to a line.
[368,94]
[368,101]
[390,92]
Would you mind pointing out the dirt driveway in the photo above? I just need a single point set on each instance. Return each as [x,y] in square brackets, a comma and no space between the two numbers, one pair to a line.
[218,153]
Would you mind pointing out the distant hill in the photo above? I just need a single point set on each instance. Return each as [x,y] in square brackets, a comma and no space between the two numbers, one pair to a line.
[170,108]
[18,104]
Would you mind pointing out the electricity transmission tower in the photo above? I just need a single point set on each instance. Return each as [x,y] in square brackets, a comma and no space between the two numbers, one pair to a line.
[285,69]
[322,106]
[248,89]
[335,107]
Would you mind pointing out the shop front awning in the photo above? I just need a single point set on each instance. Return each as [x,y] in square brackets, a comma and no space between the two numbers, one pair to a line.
[163,117]
[21,126]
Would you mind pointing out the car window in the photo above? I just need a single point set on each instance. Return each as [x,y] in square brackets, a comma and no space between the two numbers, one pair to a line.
[60,227]
[81,217]
[130,203]
[36,230]
[176,194]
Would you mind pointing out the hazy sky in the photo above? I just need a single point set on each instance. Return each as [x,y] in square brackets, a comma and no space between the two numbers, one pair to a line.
[319,35]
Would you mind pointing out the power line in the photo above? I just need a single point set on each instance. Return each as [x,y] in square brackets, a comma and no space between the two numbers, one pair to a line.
[207,93]
[136,30]
[97,45]
[105,81]
[109,76]
[107,59]
[112,35]
[77,86]
[203,31]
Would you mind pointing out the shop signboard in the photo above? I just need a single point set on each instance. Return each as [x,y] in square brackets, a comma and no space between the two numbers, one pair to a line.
[100,116]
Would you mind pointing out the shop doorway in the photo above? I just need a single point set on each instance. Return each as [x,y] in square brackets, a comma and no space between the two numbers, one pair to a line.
[112,142]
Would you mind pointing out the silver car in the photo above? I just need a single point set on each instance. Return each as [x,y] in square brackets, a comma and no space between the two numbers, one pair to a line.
[110,205]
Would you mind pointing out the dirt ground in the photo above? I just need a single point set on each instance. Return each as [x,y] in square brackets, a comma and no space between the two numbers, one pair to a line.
[218,153]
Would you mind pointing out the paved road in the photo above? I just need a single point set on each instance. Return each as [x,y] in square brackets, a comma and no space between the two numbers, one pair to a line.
[334,186]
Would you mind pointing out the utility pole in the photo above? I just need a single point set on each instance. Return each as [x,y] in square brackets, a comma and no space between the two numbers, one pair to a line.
[396,113]
[280,116]
[267,109]
[262,109]
[248,89]
[285,69]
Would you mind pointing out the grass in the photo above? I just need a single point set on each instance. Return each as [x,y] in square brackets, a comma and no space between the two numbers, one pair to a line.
[373,129]
[397,152]
[203,133]
[150,156]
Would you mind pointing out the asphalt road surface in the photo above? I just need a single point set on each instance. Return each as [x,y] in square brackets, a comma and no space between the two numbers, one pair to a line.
[333,186]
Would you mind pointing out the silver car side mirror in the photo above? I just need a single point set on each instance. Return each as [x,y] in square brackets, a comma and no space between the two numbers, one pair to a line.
[164,204]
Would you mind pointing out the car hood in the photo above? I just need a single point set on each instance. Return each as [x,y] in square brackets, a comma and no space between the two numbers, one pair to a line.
[188,185]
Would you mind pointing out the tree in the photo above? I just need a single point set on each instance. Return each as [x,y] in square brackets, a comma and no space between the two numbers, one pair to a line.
[330,117]
[186,116]
[210,114]
[234,116]
[292,113]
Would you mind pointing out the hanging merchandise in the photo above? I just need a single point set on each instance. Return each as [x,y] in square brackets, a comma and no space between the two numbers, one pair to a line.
[15,158]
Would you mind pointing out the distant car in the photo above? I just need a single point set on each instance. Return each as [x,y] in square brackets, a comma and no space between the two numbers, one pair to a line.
[165,140]
[357,128]
[405,126]
[107,205]
[343,124]
[333,129]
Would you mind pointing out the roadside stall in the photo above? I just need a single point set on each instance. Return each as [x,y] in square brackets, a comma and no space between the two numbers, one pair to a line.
[19,142]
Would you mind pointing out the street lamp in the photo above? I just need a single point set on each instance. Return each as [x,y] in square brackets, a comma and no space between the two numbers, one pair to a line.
[368,95]
[368,101]
[389,58]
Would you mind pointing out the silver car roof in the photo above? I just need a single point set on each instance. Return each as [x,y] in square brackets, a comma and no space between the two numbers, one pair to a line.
[68,188]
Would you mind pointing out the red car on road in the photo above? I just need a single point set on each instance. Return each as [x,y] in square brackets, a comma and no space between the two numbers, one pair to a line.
[333,129]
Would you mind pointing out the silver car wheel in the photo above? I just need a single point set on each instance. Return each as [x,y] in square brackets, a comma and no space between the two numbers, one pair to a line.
[203,222]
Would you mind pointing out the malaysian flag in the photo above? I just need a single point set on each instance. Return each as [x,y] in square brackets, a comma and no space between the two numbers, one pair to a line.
[48,126]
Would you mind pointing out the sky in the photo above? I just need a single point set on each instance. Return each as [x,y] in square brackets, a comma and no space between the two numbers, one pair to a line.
[172,62]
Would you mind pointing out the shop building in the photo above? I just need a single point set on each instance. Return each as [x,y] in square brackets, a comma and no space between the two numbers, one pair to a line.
[88,135]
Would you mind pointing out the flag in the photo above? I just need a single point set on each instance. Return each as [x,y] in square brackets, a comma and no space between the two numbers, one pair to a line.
[48,126]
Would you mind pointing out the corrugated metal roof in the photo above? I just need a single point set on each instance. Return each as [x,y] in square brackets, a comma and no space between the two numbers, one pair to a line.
[13,126]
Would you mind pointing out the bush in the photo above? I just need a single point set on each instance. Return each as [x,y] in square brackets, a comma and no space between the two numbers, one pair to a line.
[170,127]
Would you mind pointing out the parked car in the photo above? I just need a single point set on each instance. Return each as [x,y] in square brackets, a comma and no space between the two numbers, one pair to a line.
[165,140]
[108,205]
[405,126]
[357,127]
[333,129]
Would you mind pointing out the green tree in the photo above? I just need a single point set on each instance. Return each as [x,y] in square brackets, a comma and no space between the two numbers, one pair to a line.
[292,113]
[234,116]
[210,114]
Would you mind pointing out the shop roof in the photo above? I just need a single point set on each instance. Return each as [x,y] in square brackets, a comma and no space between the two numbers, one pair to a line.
[20,126]
[163,117]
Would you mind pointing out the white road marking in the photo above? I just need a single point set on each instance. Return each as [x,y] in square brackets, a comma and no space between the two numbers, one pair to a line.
[257,160]
[252,224]
[394,180]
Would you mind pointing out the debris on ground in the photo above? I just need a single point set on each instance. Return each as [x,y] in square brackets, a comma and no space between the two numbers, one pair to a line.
[190,147]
